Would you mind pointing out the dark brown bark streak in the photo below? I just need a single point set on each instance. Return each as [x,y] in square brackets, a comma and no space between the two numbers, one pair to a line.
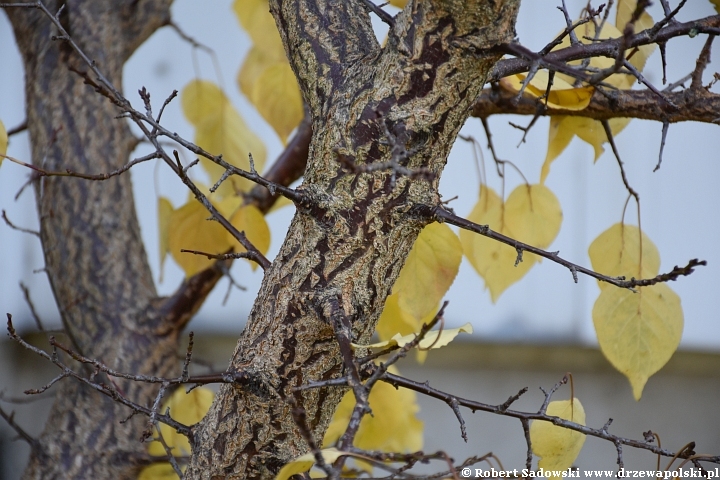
[346,245]
[93,251]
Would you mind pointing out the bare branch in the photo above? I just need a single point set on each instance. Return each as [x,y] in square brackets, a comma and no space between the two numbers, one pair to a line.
[440,214]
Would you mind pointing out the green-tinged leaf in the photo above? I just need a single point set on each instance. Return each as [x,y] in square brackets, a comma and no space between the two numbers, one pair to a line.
[558,447]
[618,251]
[220,130]
[429,270]
[638,332]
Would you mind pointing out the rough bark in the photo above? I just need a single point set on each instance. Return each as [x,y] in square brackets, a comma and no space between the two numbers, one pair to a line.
[90,235]
[347,243]
[696,105]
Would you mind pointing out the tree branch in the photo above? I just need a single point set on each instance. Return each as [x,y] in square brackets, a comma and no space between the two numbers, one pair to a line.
[441,215]
[693,105]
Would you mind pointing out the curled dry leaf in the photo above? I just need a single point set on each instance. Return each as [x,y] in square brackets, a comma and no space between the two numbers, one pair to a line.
[432,340]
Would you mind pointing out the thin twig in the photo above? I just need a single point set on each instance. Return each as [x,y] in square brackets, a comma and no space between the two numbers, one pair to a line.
[442,215]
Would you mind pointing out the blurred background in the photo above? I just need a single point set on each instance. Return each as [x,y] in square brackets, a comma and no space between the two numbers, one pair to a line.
[539,328]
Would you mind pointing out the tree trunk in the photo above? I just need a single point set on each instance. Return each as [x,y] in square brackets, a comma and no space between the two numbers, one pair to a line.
[402,104]
[94,254]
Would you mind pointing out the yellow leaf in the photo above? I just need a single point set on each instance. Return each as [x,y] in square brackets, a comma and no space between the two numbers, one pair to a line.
[716,4]
[188,409]
[433,339]
[393,425]
[394,320]
[165,211]
[255,63]
[558,139]
[429,270]
[277,97]
[3,141]
[558,447]
[591,131]
[532,215]
[305,462]
[585,34]
[189,229]
[398,3]
[219,129]
[492,260]
[617,252]
[250,220]
[562,94]
[256,20]
[638,332]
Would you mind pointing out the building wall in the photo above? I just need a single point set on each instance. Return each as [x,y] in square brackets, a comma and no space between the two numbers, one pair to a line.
[681,403]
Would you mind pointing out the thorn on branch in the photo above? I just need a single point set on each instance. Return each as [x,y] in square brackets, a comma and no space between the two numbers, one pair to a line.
[32,441]
[512,399]
[548,395]
[665,127]
[701,63]
[20,128]
[15,227]
[606,426]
